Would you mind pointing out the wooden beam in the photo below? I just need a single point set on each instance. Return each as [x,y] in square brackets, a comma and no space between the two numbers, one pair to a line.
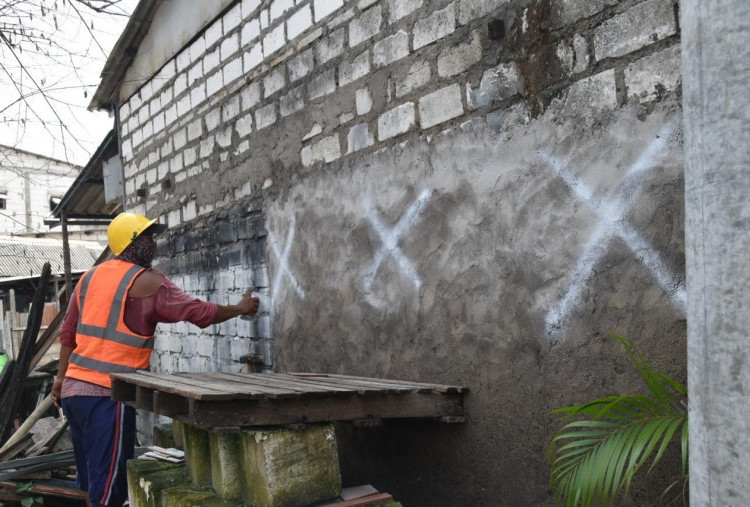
[209,414]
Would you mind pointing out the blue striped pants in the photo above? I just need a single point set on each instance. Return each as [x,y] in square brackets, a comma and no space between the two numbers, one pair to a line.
[103,433]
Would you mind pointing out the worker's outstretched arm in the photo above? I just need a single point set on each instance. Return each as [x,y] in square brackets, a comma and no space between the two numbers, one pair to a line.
[248,305]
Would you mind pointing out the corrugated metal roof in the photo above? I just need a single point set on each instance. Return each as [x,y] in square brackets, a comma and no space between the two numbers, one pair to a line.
[23,257]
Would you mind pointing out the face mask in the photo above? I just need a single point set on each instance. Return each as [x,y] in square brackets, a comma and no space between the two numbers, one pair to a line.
[141,251]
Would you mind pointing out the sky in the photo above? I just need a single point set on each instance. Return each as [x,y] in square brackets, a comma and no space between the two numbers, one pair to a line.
[56,123]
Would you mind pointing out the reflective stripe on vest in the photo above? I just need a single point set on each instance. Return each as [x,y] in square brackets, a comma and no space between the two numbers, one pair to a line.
[102,366]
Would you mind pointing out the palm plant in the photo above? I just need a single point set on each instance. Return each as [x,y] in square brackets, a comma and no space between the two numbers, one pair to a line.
[595,456]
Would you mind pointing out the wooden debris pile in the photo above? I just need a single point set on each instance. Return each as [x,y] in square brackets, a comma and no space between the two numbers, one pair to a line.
[25,451]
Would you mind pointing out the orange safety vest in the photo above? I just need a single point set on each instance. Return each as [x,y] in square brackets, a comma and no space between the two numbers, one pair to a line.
[104,344]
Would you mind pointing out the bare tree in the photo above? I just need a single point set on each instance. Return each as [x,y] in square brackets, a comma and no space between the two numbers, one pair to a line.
[45,47]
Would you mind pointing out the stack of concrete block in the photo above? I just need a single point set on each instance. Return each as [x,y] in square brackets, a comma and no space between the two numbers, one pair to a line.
[263,467]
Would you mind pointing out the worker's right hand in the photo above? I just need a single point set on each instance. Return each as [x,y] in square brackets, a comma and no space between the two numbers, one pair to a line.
[249,304]
[56,391]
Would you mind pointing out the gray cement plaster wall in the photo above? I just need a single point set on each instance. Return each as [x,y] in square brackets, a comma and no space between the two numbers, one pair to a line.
[473,191]
[716,59]
[468,258]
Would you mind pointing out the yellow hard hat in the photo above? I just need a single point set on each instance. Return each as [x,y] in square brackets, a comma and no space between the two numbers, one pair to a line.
[125,227]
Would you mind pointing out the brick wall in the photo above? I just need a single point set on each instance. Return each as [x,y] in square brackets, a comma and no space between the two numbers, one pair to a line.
[287,116]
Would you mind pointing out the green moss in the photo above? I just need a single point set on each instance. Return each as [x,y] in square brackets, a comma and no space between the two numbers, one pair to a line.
[178,430]
[226,464]
[192,496]
[285,467]
[147,479]
[197,455]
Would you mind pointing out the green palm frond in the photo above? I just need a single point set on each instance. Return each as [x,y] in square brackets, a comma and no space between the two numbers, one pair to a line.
[597,456]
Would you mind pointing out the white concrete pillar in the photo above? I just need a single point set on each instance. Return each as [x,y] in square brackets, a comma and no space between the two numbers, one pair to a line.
[716,99]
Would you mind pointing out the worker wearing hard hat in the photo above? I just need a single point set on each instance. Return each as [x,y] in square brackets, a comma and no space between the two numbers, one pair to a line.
[109,328]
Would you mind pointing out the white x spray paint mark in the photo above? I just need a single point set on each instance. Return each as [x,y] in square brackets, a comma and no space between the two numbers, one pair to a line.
[284,264]
[390,238]
[612,224]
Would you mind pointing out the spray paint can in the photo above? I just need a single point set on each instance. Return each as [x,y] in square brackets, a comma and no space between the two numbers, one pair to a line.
[262,306]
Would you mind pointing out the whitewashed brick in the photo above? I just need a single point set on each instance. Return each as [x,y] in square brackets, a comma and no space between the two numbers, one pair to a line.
[418,75]
[598,92]
[213,33]
[340,19]
[274,81]
[166,96]
[325,7]
[180,138]
[440,106]
[244,125]
[365,26]
[250,95]
[458,59]
[224,137]
[180,84]
[195,130]
[183,105]
[173,218]
[151,176]
[253,57]
[182,61]
[214,83]
[127,149]
[230,109]
[137,138]
[124,111]
[189,156]
[229,46]
[162,169]
[180,176]
[197,49]
[359,138]
[207,146]
[292,101]
[198,94]
[232,18]
[211,61]
[326,150]
[146,91]
[639,26]
[300,66]
[330,47]
[649,78]
[299,22]
[195,170]
[129,187]
[159,122]
[263,18]
[166,73]
[435,26]
[363,101]
[273,41]
[166,149]
[323,84]
[265,116]
[390,49]
[581,51]
[497,83]
[397,9]
[279,7]
[195,73]
[170,115]
[250,31]
[397,121]
[249,6]
[133,123]
[360,67]
[143,115]
[189,211]
[232,70]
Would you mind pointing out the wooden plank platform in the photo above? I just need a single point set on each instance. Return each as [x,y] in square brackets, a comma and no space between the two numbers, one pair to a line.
[222,400]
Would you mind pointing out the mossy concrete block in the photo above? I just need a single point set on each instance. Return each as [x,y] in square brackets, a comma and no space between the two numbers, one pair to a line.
[164,436]
[197,455]
[194,496]
[285,467]
[147,479]
[226,464]
[178,429]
